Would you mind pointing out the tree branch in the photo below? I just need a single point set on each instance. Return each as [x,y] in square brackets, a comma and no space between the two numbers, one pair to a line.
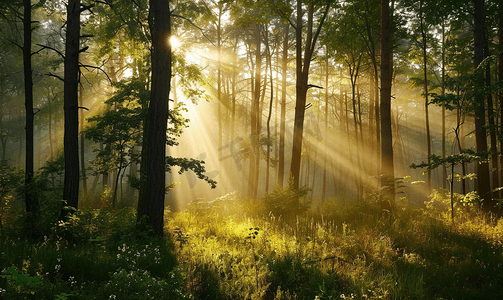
[50,48]
[192,23]
[57,76]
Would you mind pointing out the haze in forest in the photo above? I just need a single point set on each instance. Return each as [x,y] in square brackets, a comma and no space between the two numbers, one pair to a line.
[234,66]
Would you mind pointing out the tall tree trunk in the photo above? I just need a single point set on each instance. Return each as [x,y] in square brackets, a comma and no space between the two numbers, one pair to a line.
[302,70]
[82,142]
[71,105]
[387,167]
[483,181]
[500,94]
[325,133]
[32,205]
[444,177]
[158,117]
[269,115]
[492,126]
[255,119]
[424,49]
[219,89]
[284,66]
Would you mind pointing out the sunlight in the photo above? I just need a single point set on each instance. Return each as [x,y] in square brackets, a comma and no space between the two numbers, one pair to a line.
[175,42]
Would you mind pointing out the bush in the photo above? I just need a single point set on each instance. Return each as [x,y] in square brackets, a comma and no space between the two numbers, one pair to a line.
[286,203]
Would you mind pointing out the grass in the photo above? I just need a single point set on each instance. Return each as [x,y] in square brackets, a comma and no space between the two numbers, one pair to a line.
[231,248]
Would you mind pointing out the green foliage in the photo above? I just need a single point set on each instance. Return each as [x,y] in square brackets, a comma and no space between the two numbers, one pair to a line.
[286,203]
[140,284]
[192,164]
[463,89]
[106,259]
[23,283]
[120,130]
[465,156]
[10,179]
[337,250]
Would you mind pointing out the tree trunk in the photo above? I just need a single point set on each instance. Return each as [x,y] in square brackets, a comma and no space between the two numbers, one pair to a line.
[158,117]
[387,167]
[284,66]
[483,184]
[500,94]
[325,134]
[492,126]
[269,115]
[82,143]
[32,205]
[302,70]
[444,177]
[71,110]
[424,49]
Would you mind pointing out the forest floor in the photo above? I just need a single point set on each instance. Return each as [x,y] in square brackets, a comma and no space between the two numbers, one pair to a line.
[230,248]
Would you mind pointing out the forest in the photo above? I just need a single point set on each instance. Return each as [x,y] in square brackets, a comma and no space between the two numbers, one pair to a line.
[280,149]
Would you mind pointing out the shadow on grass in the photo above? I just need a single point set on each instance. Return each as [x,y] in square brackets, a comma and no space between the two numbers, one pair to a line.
[451,265]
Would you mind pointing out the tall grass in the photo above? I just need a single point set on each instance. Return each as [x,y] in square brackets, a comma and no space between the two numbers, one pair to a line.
[231,248]
[237,249]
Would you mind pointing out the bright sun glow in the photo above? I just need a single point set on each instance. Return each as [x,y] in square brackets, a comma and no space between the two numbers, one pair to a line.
[175,42]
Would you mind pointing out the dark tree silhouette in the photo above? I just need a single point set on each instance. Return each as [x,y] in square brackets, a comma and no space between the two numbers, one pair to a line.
[387,168]
[152,206]
[71,104]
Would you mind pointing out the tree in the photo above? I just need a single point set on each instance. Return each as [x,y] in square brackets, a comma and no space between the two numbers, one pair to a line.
[303,63]
[32,205]
[387,167]
[153,205]
[483,181]
[284,67]
[71,104]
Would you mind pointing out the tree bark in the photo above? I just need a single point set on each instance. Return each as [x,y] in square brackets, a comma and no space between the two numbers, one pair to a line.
[424,49]
[483,183]
[492,126]
[325,133]
[302,70]
[284,67]
[387,167]
[32,205]
[500,94]
[82,143]
[71,105]
[158,117]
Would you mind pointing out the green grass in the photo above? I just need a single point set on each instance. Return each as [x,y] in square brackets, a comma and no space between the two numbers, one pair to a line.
[231,248]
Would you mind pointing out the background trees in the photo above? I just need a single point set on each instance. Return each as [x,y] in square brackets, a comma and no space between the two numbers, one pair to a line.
[264,85]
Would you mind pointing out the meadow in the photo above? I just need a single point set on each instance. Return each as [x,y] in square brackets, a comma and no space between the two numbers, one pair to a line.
[231,248]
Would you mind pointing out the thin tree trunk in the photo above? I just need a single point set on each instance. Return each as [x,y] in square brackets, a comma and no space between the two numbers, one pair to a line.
[284,66]
[444,179]
[325,134]
[31,201]
[500,94]
[269,58]
[425,89]
[82,143]
[255,120]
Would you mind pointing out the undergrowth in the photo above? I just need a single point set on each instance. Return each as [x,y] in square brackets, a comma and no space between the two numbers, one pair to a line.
[235,249]
[231,248]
